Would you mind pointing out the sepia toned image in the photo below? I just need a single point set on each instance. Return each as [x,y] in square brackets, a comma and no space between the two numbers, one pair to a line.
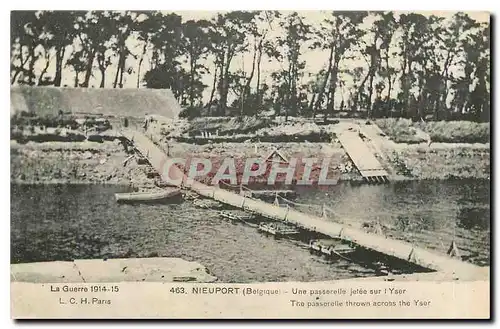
[251,164]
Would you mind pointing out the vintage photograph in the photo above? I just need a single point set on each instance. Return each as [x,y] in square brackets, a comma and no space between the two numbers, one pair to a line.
[249,146]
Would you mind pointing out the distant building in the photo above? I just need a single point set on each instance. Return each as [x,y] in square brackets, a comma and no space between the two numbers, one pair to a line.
[112,102]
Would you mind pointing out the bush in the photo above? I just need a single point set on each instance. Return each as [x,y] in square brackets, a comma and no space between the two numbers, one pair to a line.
[400,130]
[48,120]
[190,112]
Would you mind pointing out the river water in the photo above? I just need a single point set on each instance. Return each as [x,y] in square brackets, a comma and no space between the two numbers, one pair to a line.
[65,222]
[430,214]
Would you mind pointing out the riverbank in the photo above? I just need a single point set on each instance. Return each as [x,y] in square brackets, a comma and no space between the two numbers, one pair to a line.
[64,150]
[442,161]
[105,162]
[407,131]
[75,163]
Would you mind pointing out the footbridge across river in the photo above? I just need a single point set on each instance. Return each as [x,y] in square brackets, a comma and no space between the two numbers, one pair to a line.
[441,263]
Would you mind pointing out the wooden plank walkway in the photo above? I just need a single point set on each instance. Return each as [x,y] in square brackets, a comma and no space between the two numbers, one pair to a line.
[399,249]
[362,157]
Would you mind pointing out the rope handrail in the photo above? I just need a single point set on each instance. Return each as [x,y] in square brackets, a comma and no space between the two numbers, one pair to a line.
[323,207]
[296,203]
[329,209]
[227,184]
[246,188]
[238,186]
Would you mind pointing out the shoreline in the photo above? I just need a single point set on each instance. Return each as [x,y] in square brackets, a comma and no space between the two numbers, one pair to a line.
[351,181]
[103,163]
[73,182]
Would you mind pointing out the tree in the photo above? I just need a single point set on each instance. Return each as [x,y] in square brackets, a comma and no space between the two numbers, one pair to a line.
[60,26]
[477,72]
[144,28]
[94,33]
[475,63]
[451,41]
[288,50]
[166,40]
[195,46]
[228,36]
[381,33]
[25,38]
[259,29]
[337,34]
[417,32]
[123,24]
[78,64]
[166,71]
[412,65]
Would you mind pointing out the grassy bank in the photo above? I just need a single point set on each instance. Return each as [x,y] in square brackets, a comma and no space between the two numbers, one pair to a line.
[416,162]
[238,130]
[103,163]
[74,162]
[407,131]
[48,151]
[456,131]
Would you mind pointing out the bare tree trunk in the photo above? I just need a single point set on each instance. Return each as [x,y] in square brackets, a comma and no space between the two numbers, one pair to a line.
[123,58]
[333,87]
[370,93]
[76,78]
[16,74]
[294,89]
[359,91]
[20,68]
[221,82]
[246,90]
[311,106]
[101,61]
[408,86]
[115,82]
[31,67]
[88,70]
[59,61]
[192,65]
[103,74]
[214,85]
[119,71]
[44,71]
[444,80]
[225,85]
[325,81]
[258,100]
[144,49]
[389,80]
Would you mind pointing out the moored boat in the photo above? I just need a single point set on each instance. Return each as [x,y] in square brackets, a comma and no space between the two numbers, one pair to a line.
[207,204]
[234,216]
[228,215]
[190,196]
[331,248]
[277,230]
[147,196]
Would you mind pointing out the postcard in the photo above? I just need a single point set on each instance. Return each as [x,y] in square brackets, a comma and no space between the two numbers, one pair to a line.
[250,164]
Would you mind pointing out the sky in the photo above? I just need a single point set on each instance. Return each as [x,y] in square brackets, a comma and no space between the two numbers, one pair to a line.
[315,60]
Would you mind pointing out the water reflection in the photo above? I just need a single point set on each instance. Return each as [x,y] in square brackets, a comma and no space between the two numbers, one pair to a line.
[474,218]
[431,214]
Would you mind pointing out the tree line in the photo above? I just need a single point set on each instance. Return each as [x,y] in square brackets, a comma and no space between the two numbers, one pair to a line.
[408,65]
